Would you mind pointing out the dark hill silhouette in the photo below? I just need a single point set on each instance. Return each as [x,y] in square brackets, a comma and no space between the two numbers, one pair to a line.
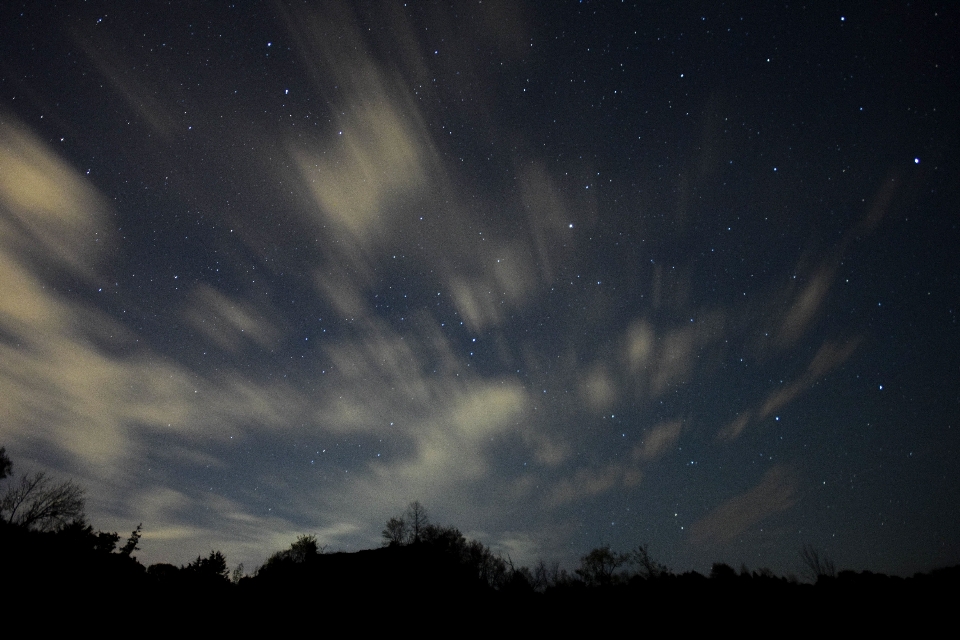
[393,577]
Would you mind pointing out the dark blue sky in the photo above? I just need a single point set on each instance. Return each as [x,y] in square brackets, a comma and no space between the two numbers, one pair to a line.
[587,274]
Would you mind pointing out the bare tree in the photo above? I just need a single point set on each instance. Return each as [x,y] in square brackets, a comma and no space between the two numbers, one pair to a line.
[417,520]
[816,565]
[598,568]
[545,576]
[647,567]
[540,576]
[36,502]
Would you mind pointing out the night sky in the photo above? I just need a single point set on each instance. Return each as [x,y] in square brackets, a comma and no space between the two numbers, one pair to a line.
[569,274]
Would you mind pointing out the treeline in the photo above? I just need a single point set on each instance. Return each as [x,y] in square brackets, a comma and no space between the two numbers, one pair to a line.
[419,564]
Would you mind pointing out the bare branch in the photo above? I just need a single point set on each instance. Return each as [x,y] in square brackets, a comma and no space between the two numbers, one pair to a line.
[647,567]
[816,565]
[37,503]
[598,568]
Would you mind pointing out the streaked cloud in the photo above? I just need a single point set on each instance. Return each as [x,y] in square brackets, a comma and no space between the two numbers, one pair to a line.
[829,356]
[228,323]
[804,307]
[773,494]
[588,482]
[51,216]
[658,440]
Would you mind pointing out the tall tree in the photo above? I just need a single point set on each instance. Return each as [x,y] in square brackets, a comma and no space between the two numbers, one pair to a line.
[417,520]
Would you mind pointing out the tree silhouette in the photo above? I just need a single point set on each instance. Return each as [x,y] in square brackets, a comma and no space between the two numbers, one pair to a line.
[547,576]
[237,574]
[816,565]
[131,544]
[6,466]
[396,532]
[447,539]
[417,520]
[472,557]
[490,568]
[305,548]
[722,571]
[213,568]
[598,568]
[647,567]
[35,502]
[163,572]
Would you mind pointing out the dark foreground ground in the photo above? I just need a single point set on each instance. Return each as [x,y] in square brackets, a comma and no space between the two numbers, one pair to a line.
[67,582]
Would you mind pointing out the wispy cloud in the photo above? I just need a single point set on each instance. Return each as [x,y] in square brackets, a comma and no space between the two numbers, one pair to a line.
[773,494]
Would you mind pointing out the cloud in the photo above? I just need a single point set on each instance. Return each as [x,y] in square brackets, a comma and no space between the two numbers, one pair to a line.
[504,284]
[216,523]
[803,309]
[658,440]
[586,483]
[733,430]
[598,388]
[548,449]
[829,356]
[548,216]
[452,442]
[657,359]
[592,481]
[639,345]
[56,381]
[140,91]
[50,216]
[378,183]
[376,161]
[228,322]
[378,155]
[773,494]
